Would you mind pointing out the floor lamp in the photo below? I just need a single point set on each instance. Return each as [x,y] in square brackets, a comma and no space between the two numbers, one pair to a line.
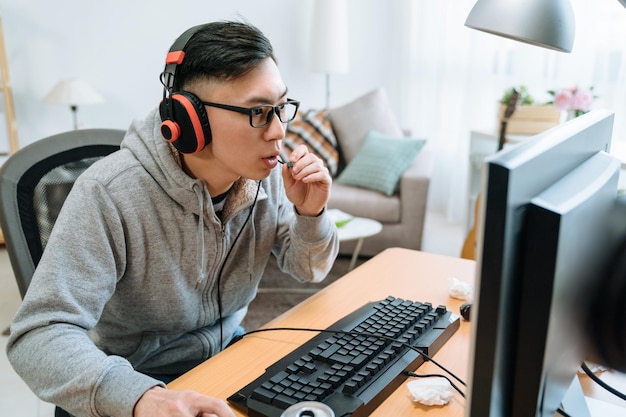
[73,92]
[329,39]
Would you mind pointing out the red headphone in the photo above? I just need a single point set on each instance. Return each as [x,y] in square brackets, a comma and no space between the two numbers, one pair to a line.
[185,123]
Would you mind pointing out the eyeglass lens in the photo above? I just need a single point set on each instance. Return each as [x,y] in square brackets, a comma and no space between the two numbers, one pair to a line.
[262,115]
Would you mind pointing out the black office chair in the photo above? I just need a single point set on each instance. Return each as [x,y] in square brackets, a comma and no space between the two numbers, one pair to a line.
[34,183]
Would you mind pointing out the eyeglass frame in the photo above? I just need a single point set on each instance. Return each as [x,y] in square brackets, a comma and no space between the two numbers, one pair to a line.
[250,110]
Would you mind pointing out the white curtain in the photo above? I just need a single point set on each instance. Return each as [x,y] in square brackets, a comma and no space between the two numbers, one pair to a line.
[452,78]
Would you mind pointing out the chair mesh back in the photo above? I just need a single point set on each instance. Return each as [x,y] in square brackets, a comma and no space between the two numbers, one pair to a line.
[51,192]
[42,190]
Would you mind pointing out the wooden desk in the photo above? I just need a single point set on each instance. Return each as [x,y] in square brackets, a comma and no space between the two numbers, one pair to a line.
[402,273]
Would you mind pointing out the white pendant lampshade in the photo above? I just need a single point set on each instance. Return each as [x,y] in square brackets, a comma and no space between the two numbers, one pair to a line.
[73,92]
[546,23]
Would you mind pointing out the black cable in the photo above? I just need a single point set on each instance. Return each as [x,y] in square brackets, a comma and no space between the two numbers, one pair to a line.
[600,382]
[562,412]
[219,274]
[353,333]
[414,375]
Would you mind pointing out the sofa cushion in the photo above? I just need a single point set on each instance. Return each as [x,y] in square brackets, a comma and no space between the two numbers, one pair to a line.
[380,162]
[352,121]
[314,130]
[361,202]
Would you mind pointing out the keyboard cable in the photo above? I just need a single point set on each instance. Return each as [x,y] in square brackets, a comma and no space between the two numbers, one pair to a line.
[456,388]
[600,382]
[353,333]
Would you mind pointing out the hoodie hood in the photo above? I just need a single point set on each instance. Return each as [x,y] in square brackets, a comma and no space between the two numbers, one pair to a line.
[162,161]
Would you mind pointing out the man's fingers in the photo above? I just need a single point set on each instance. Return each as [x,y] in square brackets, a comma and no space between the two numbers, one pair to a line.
[161,402]
[209,406]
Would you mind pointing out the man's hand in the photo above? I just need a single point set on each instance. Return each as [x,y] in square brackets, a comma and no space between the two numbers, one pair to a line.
[307,183]
[161,402]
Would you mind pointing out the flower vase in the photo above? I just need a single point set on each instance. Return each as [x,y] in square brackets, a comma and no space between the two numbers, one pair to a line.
[570,114]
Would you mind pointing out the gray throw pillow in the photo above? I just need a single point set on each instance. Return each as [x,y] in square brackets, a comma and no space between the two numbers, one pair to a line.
[352,121]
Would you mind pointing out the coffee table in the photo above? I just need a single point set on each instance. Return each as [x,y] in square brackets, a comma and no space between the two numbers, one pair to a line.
[358,228]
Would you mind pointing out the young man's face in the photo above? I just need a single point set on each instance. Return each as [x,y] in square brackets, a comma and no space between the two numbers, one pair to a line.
[238,149]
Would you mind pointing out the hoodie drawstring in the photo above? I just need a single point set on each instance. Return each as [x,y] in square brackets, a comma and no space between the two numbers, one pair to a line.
[201,273]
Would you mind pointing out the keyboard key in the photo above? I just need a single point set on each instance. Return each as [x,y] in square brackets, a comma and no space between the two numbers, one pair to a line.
[263,395]
[283,401]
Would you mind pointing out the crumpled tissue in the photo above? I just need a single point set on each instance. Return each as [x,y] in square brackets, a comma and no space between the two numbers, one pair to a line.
[430,391]
[459,289]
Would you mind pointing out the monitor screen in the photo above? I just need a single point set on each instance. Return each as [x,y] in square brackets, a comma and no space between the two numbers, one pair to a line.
[511,179]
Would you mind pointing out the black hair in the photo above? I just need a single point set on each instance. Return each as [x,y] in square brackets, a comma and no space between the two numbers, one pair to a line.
[222,51]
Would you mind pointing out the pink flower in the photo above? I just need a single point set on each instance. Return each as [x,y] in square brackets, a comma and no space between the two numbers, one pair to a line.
[574,99]
[563,99]
[581,100]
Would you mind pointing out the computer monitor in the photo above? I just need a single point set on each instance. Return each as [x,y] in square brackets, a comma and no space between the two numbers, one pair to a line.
[511,179]
[572,231]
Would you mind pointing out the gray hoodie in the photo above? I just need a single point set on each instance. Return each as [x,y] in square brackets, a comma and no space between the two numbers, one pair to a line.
[128,280]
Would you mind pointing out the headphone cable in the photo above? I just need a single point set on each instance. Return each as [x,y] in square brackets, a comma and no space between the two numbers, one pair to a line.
[219,275]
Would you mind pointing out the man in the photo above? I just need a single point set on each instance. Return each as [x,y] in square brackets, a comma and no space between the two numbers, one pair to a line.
[160,247]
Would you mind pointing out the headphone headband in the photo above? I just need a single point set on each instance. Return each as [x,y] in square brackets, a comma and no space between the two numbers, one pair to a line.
[176,54]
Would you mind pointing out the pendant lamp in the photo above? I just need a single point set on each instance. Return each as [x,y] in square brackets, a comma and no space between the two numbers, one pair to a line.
[546,23]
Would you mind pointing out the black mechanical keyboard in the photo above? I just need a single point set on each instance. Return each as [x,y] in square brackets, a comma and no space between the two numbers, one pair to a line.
[357,364]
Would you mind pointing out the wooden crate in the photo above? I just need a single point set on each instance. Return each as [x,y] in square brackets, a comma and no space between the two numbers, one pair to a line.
[529,120]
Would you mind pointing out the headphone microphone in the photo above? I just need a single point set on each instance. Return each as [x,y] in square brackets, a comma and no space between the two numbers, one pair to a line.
[185,123]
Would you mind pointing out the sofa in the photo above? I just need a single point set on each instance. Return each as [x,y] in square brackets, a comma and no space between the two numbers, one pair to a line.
[378,170]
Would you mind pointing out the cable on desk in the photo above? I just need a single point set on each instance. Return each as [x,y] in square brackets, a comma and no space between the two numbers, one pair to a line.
[414,375]
[600,382]
[562,412]
[353,333]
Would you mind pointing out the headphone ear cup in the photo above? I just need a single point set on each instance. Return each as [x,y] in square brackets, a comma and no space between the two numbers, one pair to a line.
[187,127]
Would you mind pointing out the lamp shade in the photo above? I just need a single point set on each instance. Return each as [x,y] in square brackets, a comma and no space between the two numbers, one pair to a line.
[73,92]
[546,23]
[329,37]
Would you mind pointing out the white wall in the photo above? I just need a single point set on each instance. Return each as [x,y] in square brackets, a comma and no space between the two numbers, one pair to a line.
[119,46]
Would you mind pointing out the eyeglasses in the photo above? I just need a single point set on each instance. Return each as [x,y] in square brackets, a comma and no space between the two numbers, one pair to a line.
[262,115]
